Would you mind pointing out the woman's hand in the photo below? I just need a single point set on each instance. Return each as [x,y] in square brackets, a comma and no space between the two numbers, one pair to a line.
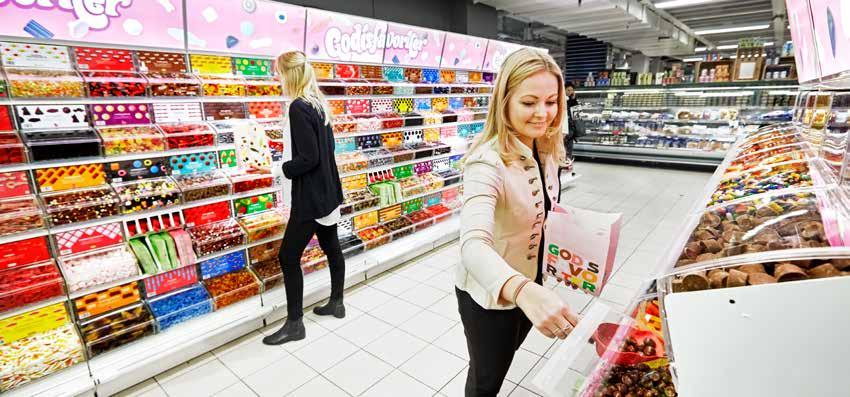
[549,314]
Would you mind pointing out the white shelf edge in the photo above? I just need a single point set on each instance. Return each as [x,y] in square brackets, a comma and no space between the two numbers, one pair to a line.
[74,381]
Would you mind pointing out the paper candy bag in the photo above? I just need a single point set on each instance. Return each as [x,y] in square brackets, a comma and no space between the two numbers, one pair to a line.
[580,246]
[252,147]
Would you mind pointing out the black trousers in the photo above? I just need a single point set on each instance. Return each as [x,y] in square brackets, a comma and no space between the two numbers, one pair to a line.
[492,338]
[295,240]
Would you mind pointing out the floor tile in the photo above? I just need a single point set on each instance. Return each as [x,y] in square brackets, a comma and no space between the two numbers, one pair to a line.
[394,284]
[395,311]
[331,322]
[528,381]
[417,272]
[447,307]
[249,354]
[444,281]
[313,330]
[318,387]
[358,372]
[367,298]
[455,388]
[203,380]
[363,330]
[398,383]
[433,367]
[454,342]
[537,343]
[396,347]
[148,388]
[523,392]
[427,325]
[522,363]
[280,378]
[238,389]
[423,295]
[325,352]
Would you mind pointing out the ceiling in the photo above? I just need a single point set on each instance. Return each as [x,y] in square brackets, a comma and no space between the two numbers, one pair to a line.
[636,25]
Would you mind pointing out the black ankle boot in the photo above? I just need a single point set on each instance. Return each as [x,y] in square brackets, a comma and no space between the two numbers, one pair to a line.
[292,330]
[333,307]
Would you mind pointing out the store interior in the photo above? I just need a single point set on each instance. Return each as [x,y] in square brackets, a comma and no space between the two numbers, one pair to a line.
[142,202]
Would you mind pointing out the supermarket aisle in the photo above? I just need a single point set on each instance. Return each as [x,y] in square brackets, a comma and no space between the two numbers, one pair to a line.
[402,335]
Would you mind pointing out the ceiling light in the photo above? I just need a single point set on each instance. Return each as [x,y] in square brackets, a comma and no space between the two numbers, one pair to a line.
[692,59]
[679,3]
[700,49]
[768,44]
[731,30]
[727,47]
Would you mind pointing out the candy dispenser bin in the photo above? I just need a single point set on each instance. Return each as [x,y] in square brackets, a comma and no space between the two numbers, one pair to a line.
[263,86]
[173,85]
[264,252]
[247,181]
[120,327]
[29,284]
[20,214]
[131,139]
[99,267]
[217,236]
[203,186]
[269,273]
[222,85]
[12,150]
[180,306]
[263,225]
[233,287]
[358,200]
[100,302]
[115,84]
[188,135]
[80,205]
[374,236]
[147,194]
[62,144]
[224,264]
[45,83]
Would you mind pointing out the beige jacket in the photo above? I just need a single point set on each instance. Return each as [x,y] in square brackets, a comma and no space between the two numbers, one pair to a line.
[502,220]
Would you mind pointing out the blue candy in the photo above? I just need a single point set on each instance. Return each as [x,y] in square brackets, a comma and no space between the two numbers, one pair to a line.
[179,307]
[222,265]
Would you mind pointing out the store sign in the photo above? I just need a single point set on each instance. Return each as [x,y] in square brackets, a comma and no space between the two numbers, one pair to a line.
[497,52]
[832,35]
[805,56]
[258,27]
[340,37]
[119,22]
[463,52]
[413,46]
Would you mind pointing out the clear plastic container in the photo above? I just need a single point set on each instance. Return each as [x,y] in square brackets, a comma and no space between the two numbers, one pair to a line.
[263,86]
[247,181]
[378,157]
[111,330]
[147,194]
[45,83]
[217,236]
[225,129]
[263,225]
[420,219]
[350,244]
[131,139]
[264,252]
[203,186]
[62,144]
[107,300]
[224,264]
[269,273]
[374,236]
[12,150]
[173,85]
[115,84]
[99,267]
[230,288]
[344,123]
[29,284]
[45,351]
[20,214]
[399,227]
[762,180]
[188,135]
[222,85]
[80,205]
[180,306]
[358,200]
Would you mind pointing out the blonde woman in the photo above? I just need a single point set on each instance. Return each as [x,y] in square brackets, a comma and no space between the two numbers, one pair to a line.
[316,194]
[510,181]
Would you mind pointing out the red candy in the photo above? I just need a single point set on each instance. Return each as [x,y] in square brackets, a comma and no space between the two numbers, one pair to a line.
[26,285]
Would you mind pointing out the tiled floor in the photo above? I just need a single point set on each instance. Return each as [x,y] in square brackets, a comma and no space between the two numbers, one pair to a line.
[403,336]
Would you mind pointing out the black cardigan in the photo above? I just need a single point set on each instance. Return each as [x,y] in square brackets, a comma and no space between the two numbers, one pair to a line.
[316,189]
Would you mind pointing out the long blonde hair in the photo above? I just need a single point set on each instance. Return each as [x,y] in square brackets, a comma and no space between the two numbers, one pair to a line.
[517,67]
[299,81]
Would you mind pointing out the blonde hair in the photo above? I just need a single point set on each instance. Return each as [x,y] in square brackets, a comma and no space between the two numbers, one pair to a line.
[517,67]
[299,81]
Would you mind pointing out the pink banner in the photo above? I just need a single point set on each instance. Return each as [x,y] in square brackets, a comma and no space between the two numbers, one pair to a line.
[497,51]
[413,46]
[799,17]
[832,35]
[156,23]
[340,37]
[463,52]
[255,27]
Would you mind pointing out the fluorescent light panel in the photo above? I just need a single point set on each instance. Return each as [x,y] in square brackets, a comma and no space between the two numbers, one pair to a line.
[692,59]
[733,29]
[680,3]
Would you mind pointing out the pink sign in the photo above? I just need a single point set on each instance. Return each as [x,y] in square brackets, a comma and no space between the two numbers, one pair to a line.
[832,35]
[497,51]
[340,37]
[463,52]
[256,27]
[413,46]
[805,56]
[120,22]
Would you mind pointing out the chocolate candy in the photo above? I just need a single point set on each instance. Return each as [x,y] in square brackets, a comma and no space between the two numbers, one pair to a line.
[759,273]
[115,84]
[161,62]
[382,90]
[332,89]
[148,194]
[80,205]
[41,83]
[203,186]
[188,135]
[98,267]
[400,227]
[25,285]
[264,252]
[173,84]
[116,329]
[217,236]
[19,214]
[263,225]
[180,307]
[131,139]
[269,273]
[224,110]
[232,287]
[60,145]
[413,75]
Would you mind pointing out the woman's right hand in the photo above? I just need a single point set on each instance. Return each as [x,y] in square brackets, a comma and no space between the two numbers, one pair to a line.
[547,312]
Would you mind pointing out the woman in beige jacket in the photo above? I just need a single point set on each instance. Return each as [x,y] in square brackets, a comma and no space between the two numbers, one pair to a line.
[510,182]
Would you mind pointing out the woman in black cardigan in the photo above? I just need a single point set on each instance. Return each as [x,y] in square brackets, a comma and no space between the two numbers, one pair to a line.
[316,195]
